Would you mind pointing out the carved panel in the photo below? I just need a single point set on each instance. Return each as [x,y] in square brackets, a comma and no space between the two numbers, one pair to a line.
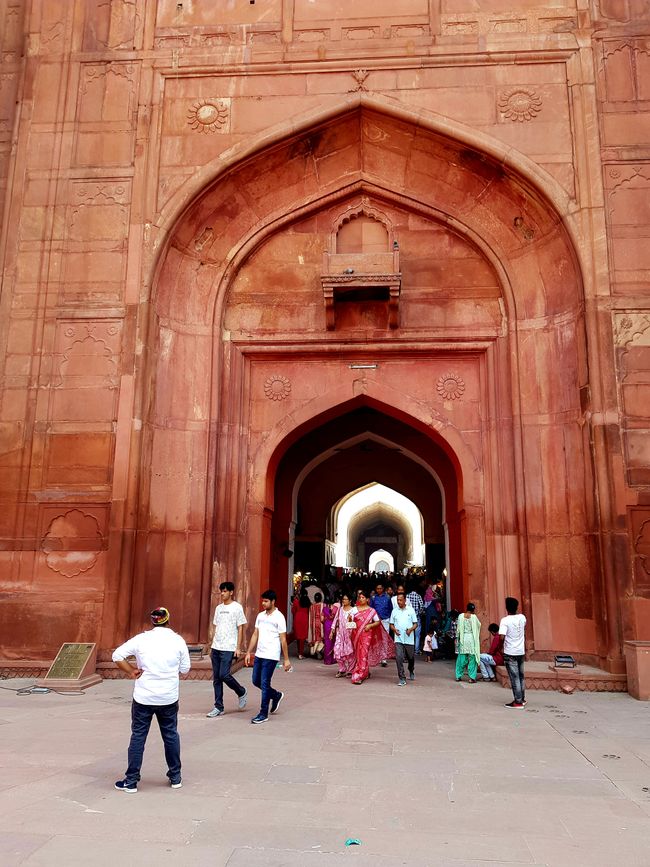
[628,199]
[85,372]
[99,211]
[73,540]
[626,70]
[640,534]
[106,107]
[95,239]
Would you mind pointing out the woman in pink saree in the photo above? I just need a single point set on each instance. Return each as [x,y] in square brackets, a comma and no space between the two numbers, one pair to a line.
[371,642]
[328,618]
[341,635]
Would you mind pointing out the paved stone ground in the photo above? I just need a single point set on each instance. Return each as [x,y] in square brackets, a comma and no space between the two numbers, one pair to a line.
[436,773]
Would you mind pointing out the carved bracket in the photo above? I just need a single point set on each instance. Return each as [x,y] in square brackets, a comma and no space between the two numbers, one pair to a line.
[360,277]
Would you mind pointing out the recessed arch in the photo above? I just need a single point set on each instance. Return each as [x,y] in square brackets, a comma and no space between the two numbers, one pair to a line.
[481,197]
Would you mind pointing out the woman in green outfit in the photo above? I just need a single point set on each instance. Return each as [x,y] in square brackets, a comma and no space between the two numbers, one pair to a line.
[469,643]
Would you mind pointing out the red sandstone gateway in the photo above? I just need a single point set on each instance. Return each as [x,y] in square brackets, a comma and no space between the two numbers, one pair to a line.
[254,261]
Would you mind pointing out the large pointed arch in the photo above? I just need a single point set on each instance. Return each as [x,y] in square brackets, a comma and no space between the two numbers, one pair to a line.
[201,366]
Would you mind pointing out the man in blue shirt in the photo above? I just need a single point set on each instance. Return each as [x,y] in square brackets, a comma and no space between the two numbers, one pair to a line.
[403,623]
[383,605]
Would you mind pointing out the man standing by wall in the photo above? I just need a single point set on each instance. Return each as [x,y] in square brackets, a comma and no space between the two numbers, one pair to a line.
[227,643]
[160,656]
[403,624]
[269,636]
[513,630]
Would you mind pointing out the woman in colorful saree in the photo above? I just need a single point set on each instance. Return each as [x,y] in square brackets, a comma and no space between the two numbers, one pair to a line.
[341,633]
[371,642]
[328,619]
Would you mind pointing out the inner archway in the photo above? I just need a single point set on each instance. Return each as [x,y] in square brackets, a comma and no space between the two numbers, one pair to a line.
[373,508]
[381,561]
[353,450]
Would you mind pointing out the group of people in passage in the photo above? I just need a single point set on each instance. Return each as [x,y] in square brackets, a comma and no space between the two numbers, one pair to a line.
[362,632]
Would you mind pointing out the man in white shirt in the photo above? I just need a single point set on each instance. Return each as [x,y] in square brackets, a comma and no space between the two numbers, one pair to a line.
[160,656]
[403,623]
[513,630]
[227,643]
[269,636]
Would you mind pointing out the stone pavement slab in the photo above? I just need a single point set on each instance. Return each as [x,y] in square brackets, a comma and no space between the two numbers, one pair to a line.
[438,774]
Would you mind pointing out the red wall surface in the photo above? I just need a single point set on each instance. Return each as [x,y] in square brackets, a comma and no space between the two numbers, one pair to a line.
[173,181]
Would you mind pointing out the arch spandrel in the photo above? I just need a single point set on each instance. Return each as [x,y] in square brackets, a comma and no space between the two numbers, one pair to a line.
[513,218]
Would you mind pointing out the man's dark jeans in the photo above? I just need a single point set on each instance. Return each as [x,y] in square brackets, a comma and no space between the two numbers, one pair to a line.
[221,662]
[141,716]
[515,667]
[262,673]
[404,653]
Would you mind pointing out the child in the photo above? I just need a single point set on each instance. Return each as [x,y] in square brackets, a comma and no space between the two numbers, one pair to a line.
[430,644]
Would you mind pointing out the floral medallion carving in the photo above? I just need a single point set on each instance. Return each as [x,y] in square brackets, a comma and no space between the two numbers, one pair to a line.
[208,115]
[519,104]
[72,543]
[450,386]
[277,387]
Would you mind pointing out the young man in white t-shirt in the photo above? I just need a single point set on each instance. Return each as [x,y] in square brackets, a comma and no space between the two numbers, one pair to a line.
[513,630]
[270,637]
[227,643]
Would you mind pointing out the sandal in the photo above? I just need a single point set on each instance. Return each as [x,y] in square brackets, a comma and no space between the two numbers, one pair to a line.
[340,674]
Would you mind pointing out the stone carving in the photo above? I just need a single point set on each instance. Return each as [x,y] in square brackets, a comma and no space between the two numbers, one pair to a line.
[642,546]
[450,387]
[208,115]
[360,76]
[519,104]
[460,27]
[95,71]
[277,387]
[72,543]
[632,329]
[526,231]
[360,33]
[88,360]
[204,238]
[508,25]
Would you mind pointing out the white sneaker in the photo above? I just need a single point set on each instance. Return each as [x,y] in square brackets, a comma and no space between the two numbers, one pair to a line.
[215,712]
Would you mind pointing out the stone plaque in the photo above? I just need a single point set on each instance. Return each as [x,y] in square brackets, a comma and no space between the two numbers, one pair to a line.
[70,661]
[73,669]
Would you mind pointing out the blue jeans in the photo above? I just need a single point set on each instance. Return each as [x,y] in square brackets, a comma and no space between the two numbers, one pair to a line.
[221,662]
[141,716]
[515,668]
[262,673]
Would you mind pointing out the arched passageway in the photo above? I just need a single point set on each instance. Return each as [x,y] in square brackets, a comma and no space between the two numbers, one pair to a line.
[342,454]
[466,341]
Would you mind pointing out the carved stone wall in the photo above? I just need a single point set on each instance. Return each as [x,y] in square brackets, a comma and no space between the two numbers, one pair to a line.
[163,168]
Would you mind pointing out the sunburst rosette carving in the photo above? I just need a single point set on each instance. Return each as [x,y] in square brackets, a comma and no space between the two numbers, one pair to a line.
[520,104]
[208,115]
[450,386]
[277,387]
